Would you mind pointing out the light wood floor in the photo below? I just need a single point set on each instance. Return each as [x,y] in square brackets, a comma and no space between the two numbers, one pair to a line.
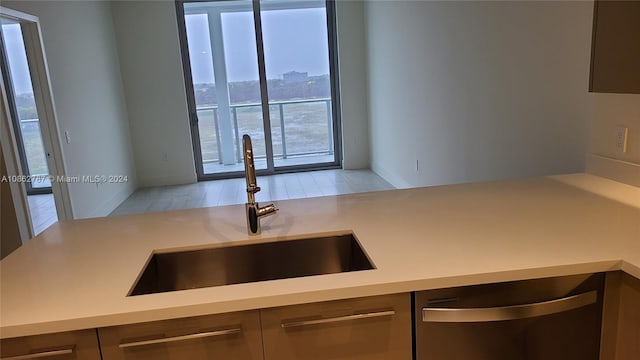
[233,191]
[226,192]
[43,212]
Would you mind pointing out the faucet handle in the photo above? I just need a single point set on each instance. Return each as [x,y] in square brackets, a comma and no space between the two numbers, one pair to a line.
[267,210]
[254,213]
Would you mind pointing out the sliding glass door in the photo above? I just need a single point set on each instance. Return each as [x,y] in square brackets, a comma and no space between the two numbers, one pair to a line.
[264,69]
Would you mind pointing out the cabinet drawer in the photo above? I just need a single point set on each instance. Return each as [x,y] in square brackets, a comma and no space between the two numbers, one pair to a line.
[366,328]
[78,345]
[224,336]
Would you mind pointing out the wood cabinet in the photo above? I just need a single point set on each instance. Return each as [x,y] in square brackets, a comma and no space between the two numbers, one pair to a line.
[615,47]
[366,328]
[621,318]
[226,336]
[76,345]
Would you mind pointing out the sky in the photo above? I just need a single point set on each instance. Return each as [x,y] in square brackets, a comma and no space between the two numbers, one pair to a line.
[12,37]
[294,40]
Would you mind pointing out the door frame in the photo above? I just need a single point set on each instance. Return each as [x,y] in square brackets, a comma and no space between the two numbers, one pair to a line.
[11,159]
[34,46]
[271,168]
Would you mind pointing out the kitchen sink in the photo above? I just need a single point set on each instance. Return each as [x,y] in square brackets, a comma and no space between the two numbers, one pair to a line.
[191,269]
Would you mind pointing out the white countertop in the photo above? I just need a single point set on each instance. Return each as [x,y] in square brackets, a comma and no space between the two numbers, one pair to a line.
[76,274]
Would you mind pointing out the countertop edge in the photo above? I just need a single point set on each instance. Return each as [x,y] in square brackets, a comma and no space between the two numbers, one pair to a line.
[260,302]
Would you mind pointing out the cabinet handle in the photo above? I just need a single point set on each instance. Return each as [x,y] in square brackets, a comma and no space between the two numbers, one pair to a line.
[512,312]
[199,335]
[40,354]
[338,319]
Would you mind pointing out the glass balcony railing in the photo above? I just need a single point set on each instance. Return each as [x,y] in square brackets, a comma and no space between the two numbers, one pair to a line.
[34,152]
[298,128]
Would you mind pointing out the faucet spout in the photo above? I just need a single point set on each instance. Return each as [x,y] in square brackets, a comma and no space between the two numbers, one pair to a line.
[253,211]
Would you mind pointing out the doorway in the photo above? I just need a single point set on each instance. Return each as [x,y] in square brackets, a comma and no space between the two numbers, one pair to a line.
[264,68]
[22,106]
[30,140]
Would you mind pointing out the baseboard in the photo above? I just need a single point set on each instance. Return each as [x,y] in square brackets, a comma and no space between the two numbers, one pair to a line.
[107,207]
[392,179]
[614,169]
[179,179]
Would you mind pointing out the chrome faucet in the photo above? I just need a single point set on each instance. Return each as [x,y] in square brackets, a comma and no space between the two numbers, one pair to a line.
[253,210]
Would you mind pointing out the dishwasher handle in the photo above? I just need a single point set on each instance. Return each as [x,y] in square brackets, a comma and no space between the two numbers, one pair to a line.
[512,312]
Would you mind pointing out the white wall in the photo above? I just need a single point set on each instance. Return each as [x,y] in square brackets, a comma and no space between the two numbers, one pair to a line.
[85,79]
[477,90]
[353,83]
[149,50]
[611,111]
[604,159]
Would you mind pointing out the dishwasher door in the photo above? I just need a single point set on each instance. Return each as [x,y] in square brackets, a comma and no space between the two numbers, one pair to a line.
[542,319]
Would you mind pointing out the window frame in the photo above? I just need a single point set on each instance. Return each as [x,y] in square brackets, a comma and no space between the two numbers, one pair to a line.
[334,88]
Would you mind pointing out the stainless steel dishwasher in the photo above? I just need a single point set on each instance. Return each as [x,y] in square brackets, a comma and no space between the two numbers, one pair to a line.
[551,318]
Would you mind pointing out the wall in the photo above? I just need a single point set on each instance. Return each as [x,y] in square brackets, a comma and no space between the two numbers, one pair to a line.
[610,111]
[353,83]
[87,90]
[149,49]
[477,91]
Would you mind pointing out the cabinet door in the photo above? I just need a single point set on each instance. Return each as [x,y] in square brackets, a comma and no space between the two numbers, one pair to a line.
[615,47]
[366,328]
[621,318]
[224,336]
[78,345]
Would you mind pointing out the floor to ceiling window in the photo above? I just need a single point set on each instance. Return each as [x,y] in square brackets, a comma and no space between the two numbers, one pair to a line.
[264,68]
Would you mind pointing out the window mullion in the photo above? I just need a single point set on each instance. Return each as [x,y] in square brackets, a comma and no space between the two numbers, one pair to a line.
[222,89]
[262,75]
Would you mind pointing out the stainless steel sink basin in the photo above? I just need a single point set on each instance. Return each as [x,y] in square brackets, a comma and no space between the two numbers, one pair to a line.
[249,263]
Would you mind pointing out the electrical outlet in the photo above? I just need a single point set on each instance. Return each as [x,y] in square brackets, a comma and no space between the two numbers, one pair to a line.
[622,134]
[67,136]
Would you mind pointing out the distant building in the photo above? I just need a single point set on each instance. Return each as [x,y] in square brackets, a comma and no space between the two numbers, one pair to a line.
[294,77]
